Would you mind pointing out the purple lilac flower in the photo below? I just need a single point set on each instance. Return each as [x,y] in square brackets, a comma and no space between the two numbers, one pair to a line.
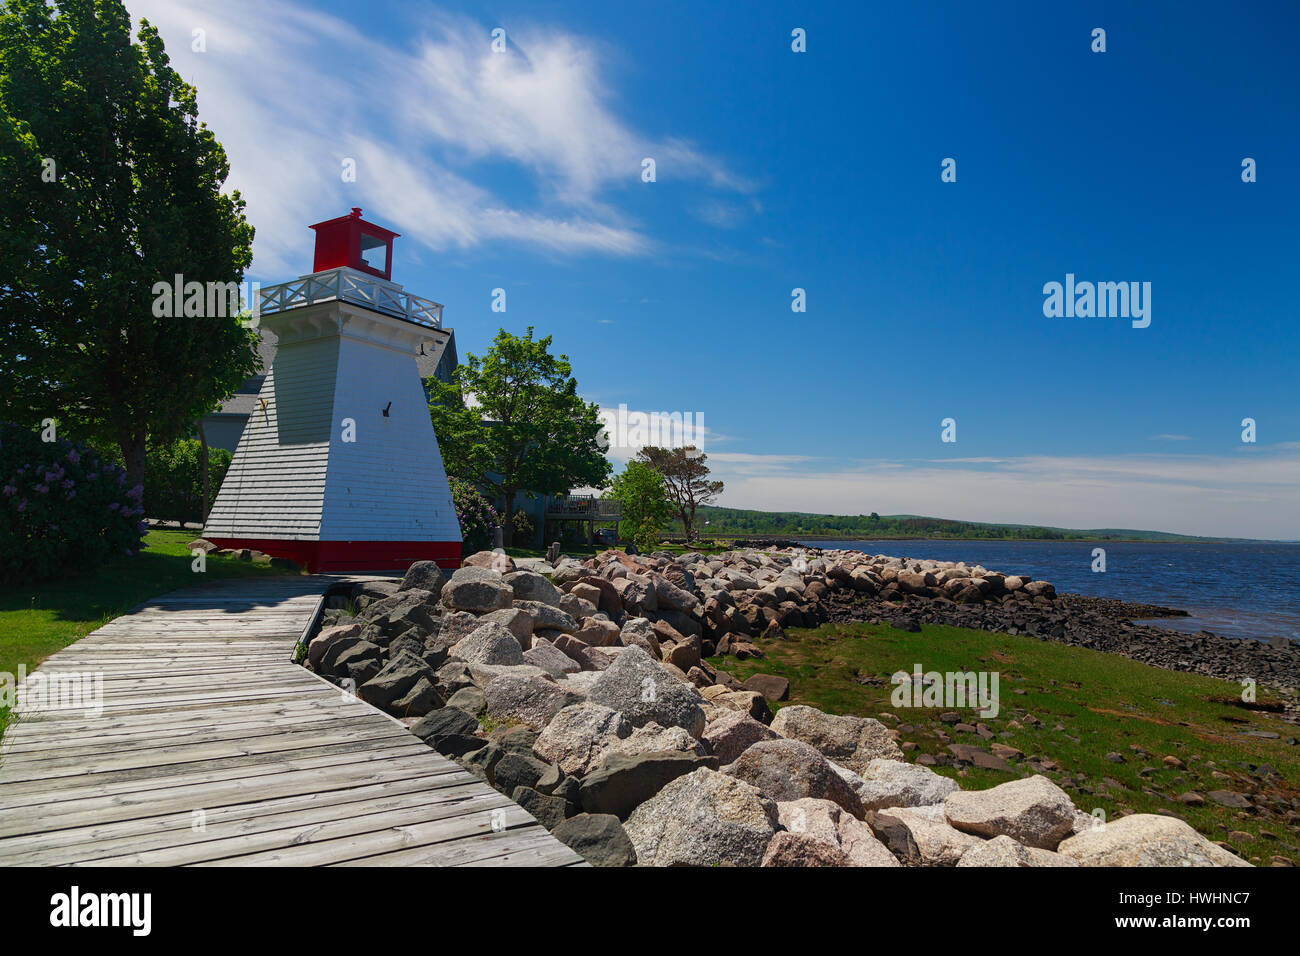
[73,457]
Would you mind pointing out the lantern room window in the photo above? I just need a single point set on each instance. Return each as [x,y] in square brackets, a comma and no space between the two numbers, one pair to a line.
[374,252]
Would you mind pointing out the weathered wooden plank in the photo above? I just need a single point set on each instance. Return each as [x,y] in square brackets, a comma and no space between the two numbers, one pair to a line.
[204,714]
[432,807]
[107,839]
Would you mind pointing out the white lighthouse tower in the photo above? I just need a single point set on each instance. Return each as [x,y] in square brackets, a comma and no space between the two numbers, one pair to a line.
[338,467]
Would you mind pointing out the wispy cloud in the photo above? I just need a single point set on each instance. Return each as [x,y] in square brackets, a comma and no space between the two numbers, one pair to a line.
[421,120]
[1229,495]
[1171,438]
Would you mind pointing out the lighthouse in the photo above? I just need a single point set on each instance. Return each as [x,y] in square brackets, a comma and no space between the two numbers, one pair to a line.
[338,467]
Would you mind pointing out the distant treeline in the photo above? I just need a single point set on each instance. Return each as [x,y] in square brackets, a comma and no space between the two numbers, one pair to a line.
[794,524]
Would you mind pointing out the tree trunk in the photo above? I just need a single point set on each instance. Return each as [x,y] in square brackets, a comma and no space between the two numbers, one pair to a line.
[133,454]
[203,458]
[508,526]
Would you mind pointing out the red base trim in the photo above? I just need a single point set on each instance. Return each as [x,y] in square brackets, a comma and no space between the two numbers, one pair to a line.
[351,555]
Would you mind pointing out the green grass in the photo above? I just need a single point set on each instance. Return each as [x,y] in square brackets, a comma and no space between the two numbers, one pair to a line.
[37,620]
[1087,703]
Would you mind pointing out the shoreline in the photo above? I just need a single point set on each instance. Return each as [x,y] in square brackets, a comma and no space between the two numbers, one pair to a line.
[1106,624]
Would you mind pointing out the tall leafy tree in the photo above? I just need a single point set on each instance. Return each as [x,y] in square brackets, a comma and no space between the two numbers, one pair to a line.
[687,478]
[643,495]
[109,184]
[462,434]
[533,430]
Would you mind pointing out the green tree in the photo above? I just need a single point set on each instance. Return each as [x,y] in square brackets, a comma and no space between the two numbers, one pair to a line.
[645,505]
[462,434]
[533,431]
[687,478]
[109,184]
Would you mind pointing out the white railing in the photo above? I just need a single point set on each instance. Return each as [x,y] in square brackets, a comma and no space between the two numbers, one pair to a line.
[345,285]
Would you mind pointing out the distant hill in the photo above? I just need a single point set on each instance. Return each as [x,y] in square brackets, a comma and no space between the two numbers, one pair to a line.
[739,522]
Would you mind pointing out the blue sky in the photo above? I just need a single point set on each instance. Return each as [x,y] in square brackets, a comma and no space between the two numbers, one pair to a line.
[821,170]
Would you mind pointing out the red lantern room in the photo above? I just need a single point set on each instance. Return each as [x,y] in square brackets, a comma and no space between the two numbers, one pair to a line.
[351,241]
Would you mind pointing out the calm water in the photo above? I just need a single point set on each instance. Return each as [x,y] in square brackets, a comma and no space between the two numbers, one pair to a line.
[1241,590]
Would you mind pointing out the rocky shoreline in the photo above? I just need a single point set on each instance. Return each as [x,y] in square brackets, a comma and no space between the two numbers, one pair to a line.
[587,691]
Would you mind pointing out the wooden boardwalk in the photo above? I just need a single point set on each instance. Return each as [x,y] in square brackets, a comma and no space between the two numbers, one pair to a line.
[214,748]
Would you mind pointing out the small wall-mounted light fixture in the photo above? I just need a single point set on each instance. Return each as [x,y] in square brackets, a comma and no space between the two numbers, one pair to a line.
[386,408]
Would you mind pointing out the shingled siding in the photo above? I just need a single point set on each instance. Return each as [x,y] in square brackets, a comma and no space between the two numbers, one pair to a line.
[275,486]
[389,484]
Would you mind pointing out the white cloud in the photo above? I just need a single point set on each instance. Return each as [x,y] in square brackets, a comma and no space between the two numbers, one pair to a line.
[291,92]
[1249,496]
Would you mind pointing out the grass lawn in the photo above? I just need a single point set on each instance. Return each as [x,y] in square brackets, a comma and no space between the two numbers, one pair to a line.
[37,620]
[1069,705]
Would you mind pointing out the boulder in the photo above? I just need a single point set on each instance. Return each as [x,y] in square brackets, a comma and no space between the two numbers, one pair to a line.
[415,641]
[624,781]
[350,657]
[770,686]
[390,689]
[638,632]
[425,575]
[636,594]
[701,819]
[1146,839]
[801,850]
[515,620]
[450,731]
[551,659]
[474,589]
[651,738]
[938,843]
[577,608]
[733,733]
[893,783]
[599,838]
[497,561]
[850,741]
[669,595]
[404,610]
[327,636]
[549,810]
[469,699]
[597,632]
[520,770]
[895,836]
[636,686]
[1004,851]
[528,700]
[827,822]
[547,618]
[578,737]
[1033,811]
[531,586]
[789,769]
[489,644]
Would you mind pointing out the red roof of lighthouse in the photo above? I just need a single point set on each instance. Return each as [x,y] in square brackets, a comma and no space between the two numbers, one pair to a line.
[352,242]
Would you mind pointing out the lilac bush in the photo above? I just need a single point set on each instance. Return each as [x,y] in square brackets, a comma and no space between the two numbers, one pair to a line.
[63,508]
[478,519]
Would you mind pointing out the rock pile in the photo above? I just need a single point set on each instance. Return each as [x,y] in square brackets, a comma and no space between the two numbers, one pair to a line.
[582,691]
